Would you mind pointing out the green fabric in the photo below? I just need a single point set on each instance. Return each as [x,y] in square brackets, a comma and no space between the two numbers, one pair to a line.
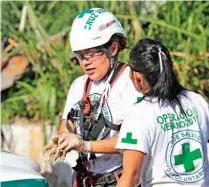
[138,99]
[25,183]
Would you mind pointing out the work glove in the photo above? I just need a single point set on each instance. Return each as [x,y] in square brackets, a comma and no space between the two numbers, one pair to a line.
[52,151]
[64,143]
[70,141]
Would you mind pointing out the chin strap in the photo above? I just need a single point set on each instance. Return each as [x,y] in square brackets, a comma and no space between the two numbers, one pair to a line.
[112,59]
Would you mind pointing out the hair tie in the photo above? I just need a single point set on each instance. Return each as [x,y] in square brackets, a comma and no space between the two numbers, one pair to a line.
[160,59]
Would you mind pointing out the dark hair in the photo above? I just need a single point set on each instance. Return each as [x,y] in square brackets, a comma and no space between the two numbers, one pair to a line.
[144,58]
[120,39]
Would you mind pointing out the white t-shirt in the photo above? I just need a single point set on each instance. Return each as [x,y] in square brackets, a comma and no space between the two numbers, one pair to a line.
[121,98]
[175,145]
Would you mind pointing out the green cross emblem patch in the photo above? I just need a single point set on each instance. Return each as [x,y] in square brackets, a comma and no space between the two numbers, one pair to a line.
[187,158]
[88,11]
[128,139]
[138,99]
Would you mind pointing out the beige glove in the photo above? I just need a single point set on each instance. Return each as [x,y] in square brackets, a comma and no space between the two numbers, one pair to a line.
[52,151]
[70,141]
[64,143]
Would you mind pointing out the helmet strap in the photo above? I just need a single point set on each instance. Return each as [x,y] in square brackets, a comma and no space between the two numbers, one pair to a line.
[112,59]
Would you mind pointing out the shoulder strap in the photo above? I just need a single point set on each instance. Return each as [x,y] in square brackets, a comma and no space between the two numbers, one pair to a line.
[85,98]
[67,123]
[118,71]
[112,126]
[120,67]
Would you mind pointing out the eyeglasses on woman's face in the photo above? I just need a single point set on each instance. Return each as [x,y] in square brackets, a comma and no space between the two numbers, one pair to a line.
[88,55]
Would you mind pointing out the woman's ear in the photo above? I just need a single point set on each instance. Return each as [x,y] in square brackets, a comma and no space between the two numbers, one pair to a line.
[114,48]
[136,80]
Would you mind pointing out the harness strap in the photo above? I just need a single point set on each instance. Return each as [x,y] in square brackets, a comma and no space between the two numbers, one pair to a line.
[98,128]
[85,98]
[71,115]
[69,127]
[112,126]
[87,106]
[81,117]
[108,178]
[118,70]
[99,124]
[99,179]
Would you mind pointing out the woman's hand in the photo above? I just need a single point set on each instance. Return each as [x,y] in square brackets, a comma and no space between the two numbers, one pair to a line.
[51,150]
[64,143]
[70,141]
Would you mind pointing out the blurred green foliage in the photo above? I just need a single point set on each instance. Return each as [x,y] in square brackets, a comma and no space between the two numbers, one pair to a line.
[182,26]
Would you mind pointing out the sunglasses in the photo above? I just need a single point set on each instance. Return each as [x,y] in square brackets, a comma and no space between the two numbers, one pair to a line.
[87,56]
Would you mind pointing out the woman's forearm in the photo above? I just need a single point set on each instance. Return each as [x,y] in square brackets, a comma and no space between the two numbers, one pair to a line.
[128,181]
[132,163]
[104,146]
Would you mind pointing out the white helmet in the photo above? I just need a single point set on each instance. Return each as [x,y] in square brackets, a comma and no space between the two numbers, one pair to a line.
[93,27]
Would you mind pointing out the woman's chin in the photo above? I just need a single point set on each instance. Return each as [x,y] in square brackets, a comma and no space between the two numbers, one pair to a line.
[94,77]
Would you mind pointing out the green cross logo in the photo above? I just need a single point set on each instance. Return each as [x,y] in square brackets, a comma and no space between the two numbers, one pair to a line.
[88,11]
[138,99]
[128,139]
[187,157]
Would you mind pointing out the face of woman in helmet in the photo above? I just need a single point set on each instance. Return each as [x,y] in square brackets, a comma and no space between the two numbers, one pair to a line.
[94,62]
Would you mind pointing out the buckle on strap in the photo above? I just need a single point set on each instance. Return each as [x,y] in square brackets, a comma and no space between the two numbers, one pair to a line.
[73,114]
[109,178]
[106,179]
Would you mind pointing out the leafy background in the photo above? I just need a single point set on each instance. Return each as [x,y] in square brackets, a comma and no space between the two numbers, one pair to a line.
[40,94]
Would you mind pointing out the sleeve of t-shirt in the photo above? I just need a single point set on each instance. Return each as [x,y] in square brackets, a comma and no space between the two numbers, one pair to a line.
[69,101]
[135,131]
